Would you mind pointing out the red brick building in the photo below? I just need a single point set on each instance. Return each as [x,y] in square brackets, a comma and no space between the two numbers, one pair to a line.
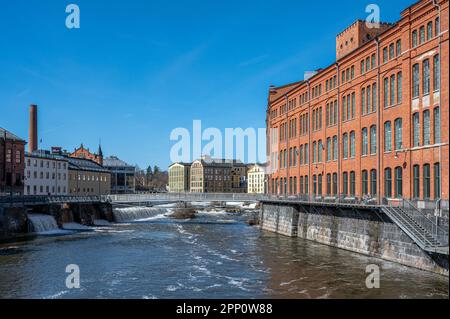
[12,163]
[374,123]
[82,152]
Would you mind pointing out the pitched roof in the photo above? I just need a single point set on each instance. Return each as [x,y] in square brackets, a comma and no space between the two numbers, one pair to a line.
[114,161]
[85,165]
[10,136]
[282,90]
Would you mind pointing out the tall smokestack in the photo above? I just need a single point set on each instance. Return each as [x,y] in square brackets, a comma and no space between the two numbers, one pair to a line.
[33,141]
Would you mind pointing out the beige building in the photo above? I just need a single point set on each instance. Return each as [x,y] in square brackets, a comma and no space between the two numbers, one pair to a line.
[210,175]
[256,180]
[179,178]
[88,178]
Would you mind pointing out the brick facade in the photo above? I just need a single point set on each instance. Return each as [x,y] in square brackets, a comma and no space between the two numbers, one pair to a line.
[352,103]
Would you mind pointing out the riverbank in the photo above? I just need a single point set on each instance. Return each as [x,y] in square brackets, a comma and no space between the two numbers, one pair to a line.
[215,255]
[364,230]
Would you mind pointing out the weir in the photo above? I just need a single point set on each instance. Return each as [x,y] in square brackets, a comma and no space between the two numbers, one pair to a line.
[138,213]
[42,223]
[362,229]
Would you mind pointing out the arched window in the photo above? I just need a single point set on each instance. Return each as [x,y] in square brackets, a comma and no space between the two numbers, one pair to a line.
[373,182]
[426,76]
[365,143]
[364,182]
[352,184]
[426,181]
[398,134]
[352,144]
[426,128]
[416,86]
[328,184]
[387,137]
[373,139]
[345,183]
[414,38]
[437,125]
[398,182]
[416,181]
[345,145]
[437,180]
[335,184]
[388,183]
[416,129]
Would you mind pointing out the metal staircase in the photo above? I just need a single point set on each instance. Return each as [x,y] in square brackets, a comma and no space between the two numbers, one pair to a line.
[423,231]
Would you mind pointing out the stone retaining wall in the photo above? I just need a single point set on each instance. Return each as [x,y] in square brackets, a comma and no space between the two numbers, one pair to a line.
[365,231]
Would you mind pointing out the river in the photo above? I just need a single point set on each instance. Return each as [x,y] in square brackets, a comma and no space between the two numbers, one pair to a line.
[216,255]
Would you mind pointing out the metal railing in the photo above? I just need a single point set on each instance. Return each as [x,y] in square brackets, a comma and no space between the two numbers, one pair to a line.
[430,227]
[40,200]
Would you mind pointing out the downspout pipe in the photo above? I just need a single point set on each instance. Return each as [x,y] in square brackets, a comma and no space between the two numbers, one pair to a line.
[438,203]
[339,127]
[379,148]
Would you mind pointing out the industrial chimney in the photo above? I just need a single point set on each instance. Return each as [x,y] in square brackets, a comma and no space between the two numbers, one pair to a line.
[33,140]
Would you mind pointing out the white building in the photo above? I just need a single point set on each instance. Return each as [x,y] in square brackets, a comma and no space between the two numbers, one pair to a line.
[256,180]
[46,174]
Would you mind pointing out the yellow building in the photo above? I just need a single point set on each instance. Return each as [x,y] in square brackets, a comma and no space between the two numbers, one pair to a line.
[256,180]
[88,178]
[179,178]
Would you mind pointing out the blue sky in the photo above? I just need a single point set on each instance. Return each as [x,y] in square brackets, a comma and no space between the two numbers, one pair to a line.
[137,69]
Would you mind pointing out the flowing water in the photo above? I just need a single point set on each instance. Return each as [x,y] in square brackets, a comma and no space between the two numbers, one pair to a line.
[42,224]
[215,255]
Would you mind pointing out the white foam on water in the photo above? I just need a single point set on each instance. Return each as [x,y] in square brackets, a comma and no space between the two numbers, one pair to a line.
[43,224]
[76,226]
[212,212]
[138,213]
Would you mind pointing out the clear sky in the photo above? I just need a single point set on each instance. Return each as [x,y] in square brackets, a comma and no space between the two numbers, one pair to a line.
[137,69]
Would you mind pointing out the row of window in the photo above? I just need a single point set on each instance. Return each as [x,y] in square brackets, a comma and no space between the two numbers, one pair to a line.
[425,76]
[45,163]
[392,90]
[331,117]
[331,84]
[47,175]
[54,190]
[317,119]
[348,74]
[18,157]
[426,127]
[368,64]
[419,37]
[392,51]
[393,183]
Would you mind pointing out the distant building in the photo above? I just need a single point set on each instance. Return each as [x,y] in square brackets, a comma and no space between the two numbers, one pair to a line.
[11,163]
[122,175]
[179,177]
[256,180]
[87,178]
[217,176]
[82,152]
[46,174]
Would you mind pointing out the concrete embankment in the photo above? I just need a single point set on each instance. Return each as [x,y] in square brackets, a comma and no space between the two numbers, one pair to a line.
[16,224]
[366,231]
